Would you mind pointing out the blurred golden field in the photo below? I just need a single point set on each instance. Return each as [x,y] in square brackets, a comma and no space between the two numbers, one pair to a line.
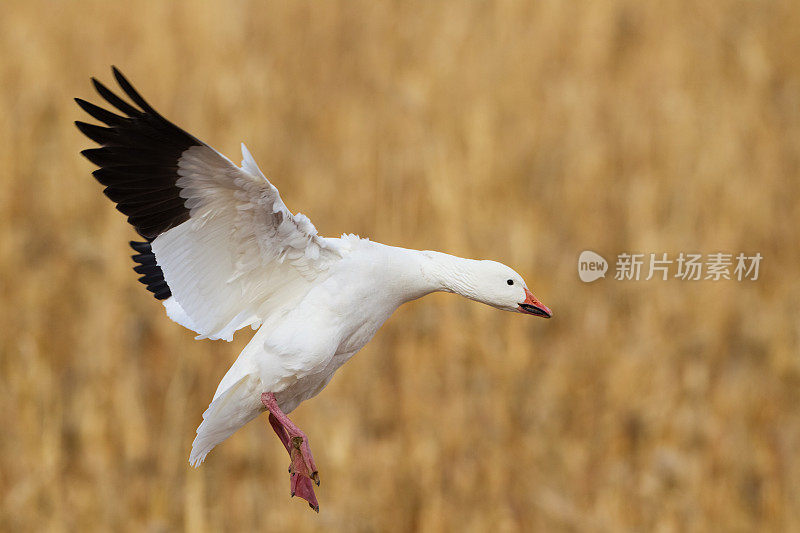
[525,132]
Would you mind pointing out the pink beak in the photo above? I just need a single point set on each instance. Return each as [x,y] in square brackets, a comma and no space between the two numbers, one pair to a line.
[532,306]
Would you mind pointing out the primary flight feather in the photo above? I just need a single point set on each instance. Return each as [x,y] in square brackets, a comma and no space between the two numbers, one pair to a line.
[222,251]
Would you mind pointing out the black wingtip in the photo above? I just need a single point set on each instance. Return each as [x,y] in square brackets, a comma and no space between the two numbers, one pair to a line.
[88,154]
[84,128]
[83,104]
[103,115]
[138,158]
[132,93]
[152,275]
[140,247]
[115,100]
[98,134]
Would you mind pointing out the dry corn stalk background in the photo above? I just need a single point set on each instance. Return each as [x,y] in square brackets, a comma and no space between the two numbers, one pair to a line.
[525,132]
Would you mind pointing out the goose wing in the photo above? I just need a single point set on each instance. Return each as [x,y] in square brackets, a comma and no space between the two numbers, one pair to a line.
[222,250]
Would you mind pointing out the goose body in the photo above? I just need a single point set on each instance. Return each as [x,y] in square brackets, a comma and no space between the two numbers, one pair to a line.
[223,252]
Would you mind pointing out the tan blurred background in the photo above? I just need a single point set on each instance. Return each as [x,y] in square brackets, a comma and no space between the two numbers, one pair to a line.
[519,131]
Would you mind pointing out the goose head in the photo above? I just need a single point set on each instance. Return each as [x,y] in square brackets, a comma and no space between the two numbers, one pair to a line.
[501,287]
[485,281]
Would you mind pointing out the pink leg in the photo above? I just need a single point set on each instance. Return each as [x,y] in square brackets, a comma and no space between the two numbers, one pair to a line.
[298,485]
[280,432]
[302,469]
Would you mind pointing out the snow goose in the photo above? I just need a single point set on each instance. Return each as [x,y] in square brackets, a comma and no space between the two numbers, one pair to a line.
[222,252]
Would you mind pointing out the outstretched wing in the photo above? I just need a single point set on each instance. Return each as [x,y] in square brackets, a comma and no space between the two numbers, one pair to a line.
[226,251]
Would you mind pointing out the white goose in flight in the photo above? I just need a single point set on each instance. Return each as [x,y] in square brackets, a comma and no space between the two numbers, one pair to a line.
[222,252]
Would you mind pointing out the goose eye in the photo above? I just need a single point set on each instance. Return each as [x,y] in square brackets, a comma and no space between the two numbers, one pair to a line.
[510,282]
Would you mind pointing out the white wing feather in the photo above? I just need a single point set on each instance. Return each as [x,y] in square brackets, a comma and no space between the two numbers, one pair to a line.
[242,254]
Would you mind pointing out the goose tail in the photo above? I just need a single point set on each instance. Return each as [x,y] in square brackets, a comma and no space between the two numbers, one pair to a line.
[236,406]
